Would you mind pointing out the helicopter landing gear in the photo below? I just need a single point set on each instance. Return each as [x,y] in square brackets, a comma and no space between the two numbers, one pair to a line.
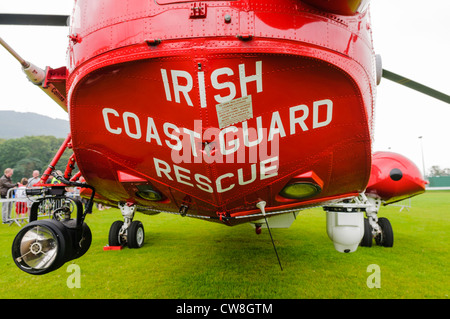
[376,228]
[348,229]
[127,232]
[386,236]
[367,239]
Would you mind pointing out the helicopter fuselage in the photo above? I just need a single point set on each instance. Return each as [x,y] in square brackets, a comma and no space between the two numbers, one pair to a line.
[220,104]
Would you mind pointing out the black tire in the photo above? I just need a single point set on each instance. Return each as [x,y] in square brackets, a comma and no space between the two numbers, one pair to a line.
[367,239]
[136,235]
[386,238]
[114,239]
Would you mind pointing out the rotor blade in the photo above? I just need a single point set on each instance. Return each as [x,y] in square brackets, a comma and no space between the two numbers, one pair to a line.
[416,86]
[34,19]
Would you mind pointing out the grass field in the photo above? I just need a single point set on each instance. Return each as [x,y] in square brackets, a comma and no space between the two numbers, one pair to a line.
[189,258]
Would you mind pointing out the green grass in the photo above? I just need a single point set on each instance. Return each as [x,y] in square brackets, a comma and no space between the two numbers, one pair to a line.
[189,258]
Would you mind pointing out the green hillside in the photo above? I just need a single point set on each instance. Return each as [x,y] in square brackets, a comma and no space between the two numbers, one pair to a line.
[16,124]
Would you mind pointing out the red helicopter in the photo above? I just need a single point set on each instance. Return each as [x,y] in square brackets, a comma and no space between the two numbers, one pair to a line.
[244,111]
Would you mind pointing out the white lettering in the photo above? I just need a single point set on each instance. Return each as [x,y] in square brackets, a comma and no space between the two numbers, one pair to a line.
[246,79]
[193,135]
[298,120]
[201,89]
[178,145]
[234,143]
[126,116]
[182,82]
[276,126]
[204,310]
[105,113]
[178,88]
[152,132]
[160,170]
[241,176]
[329,113]
[263,169]
[194,146]
[180,177]
[219,183]
[204,185]
[224,182]
[259,133]
[166,84]
[220,86]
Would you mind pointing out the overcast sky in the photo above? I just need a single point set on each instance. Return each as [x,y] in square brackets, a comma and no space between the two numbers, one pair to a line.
[412,37]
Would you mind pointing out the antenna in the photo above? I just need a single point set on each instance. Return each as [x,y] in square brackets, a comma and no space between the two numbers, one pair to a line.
[37,76]
[8,48]
[261,205]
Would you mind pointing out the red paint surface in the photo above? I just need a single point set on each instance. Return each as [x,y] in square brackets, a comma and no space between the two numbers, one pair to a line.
[309,74]
[389,189]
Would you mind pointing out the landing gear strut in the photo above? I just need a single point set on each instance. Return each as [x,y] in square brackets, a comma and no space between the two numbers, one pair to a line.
[378,228]
[127,232]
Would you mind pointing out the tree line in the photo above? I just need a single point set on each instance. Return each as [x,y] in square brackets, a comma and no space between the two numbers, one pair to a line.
[30,153]
[436,171]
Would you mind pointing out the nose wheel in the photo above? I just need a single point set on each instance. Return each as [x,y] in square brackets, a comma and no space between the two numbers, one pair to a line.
[385,237]
[127,232]
[136,235]
[378,228]
[367,239]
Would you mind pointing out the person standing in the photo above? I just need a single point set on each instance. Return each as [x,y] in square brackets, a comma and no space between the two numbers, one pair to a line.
[5,184]
[35,179]
[21,198]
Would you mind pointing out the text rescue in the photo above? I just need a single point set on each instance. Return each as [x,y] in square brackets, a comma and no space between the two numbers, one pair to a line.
[187,141]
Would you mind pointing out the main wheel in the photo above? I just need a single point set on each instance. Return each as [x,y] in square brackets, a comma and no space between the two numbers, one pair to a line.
[367,239]
[136,235]
[115,239]
[386,238]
